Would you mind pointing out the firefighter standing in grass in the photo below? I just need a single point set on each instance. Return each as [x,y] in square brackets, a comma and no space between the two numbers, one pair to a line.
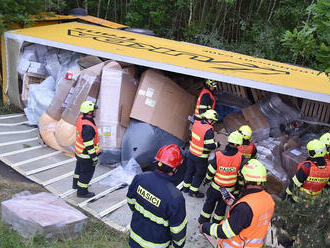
[87,149]
[312,174]
[206,99]
[248,149]
[159,211]
[248,219]
[325,138]
[201,143]
[222,171]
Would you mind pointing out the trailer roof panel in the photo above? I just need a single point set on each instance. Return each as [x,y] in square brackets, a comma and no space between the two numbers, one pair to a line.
[181,57]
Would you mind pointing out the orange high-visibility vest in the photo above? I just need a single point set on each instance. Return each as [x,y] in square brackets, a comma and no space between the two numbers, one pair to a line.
[79,146]
[198,132]
[204,91]
[262,206]
[317,178]
[247,150]
[227,169]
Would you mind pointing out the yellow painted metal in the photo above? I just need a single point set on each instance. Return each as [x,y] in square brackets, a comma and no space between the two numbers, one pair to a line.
[4,71]
[182,54]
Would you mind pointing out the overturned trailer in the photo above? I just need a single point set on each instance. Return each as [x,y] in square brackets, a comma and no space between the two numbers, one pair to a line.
[246,79]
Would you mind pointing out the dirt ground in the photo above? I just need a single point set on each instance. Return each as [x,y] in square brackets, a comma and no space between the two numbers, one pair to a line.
[9,174]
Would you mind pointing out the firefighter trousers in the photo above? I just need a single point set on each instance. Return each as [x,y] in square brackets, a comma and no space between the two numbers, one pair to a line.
[83,174]
[195,173]
[213,202]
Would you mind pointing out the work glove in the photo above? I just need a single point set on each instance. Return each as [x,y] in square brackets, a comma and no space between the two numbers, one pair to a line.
[206,181]
[95,160]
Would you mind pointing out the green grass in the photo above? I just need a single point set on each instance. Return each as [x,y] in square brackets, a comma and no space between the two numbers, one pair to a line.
[8,109]
[96,234]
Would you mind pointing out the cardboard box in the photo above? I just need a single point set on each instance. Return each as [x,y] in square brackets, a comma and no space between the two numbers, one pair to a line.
[30,78]
[291,158]
[257,121]
[115,101]
[37,68]
[233,121]
[164,104]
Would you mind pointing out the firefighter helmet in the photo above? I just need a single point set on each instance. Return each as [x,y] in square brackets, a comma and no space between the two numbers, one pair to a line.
[87,106]
[325,138]
[170,155]
[316,148]
[210,114]
[254,171]
[235,138]
[246,131]
[211,83]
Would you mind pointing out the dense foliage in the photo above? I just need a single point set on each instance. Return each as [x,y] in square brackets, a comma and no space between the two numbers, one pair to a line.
[291,31]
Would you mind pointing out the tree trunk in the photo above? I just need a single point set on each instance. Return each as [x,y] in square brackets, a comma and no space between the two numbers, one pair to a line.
[98,8]
[106,12]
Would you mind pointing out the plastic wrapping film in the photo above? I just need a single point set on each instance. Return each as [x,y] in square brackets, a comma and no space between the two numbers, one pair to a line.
[87,88]
[44,214]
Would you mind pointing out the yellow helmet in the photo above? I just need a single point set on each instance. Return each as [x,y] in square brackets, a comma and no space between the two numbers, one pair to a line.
[325,138]
[316,148]
[210,114]
[235,138]
[211,83]
[87,106]
[246,131]
[254,171]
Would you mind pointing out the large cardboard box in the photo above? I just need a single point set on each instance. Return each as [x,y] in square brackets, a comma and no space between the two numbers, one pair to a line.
[233,121]
[116,97]
[28,79]
[291,158]
[162,103]
[257,122]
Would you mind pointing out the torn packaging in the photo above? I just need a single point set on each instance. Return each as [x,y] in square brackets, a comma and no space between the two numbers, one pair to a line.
[162,103]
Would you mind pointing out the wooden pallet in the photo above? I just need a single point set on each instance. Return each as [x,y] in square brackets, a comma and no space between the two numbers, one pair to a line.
[235,90]
[319,111]
[258,94]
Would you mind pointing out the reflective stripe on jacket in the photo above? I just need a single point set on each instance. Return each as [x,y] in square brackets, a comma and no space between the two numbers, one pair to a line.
[262,206]
[197,142]
[81,144]
[159,214]
[227,169]
[317,179]
[247,150]
[202,108]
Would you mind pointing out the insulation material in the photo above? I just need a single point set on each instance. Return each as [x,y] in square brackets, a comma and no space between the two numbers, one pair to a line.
[65,134]
[162,103]
[47,127]
[57,105]
[40,96]
[89,61]
[87,88]
[42,214]
[115,101]
[28,54]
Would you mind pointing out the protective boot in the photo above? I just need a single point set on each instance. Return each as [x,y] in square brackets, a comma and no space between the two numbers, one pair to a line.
[85,195]
[196,194]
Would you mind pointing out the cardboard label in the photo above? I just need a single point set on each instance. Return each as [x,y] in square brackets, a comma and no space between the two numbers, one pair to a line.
[142,92]
[150,102]
[150,92]
[296,152]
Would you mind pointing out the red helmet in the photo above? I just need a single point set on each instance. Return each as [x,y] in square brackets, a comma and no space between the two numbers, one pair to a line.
[170,155]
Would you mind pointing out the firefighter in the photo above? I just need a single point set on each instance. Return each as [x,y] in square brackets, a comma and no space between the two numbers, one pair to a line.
[87,149]
[247,148]
[248,219]
[325,138]
[312,174]
[222,171]
[206,99]
[159,211]
[201,143]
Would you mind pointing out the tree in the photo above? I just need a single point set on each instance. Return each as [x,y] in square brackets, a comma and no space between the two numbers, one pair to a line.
[309,44]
